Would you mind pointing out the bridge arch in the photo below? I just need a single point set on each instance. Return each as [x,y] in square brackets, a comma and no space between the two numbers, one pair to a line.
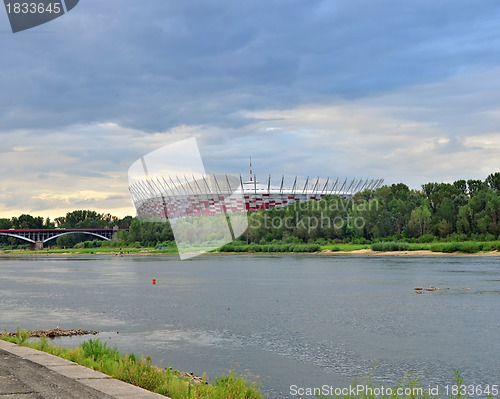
[38,244]
[77,232]
[37,237]
[17,236]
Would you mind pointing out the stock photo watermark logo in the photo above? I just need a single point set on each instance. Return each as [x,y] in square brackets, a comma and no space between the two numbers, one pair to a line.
[205,211]
[25,15]
[309,216]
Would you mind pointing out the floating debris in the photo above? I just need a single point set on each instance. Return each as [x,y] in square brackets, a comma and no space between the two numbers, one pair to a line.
[420,290]
[56,332]
[193,378]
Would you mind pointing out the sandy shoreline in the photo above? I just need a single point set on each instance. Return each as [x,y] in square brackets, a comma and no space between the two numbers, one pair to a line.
[422,252]
[325,252]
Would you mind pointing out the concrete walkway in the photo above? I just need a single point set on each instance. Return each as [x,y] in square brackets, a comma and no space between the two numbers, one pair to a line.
[31,374]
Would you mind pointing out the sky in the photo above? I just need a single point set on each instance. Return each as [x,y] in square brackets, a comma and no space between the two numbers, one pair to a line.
[408,91]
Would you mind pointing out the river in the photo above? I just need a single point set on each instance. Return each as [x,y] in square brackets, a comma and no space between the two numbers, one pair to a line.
[286,320]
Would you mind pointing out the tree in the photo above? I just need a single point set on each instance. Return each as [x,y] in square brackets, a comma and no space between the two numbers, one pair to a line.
[149,233]
[429,190]
[461,185]
[5,224]
[420,221]
[493,181]
[476,186]
[125,222]
[447,211]
[445,228]
[27,222]
[492,209]
[464,219]
[59,221]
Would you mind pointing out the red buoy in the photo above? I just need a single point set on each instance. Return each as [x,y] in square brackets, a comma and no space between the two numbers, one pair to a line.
[154,281]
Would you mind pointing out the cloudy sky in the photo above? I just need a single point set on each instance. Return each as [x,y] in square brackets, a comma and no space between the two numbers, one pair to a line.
[404,90]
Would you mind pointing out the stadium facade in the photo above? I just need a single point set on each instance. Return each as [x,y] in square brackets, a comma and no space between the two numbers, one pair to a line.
[174,197]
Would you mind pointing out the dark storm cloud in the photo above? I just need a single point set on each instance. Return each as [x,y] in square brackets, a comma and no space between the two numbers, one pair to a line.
[156,64]
[406,90]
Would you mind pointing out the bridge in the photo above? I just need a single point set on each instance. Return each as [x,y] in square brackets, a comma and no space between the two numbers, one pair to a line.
[37,237]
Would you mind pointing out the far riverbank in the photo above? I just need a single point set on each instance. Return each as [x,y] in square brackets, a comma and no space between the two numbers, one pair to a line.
[421,252]
[348,250]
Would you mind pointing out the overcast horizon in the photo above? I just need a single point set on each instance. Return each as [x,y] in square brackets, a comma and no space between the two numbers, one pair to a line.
[405,91]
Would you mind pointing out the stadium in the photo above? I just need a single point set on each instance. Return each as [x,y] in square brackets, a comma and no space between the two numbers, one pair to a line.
[173,197]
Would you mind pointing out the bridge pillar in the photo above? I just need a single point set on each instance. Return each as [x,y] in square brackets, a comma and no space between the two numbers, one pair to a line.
[37,246]
[114,236]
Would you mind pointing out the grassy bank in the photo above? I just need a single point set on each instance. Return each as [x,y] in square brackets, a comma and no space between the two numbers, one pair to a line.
[345,247]
[469,247]
[97,355]
[273,247]
[100,250]
[231,247]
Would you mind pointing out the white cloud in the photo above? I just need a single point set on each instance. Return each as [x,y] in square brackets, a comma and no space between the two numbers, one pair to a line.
[483,142]
[68,169]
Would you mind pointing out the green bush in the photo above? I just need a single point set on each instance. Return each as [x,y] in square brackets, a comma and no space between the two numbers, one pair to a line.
[447,247]
[489,246]
[307,248]
[390,246]
[271,248]
[470,247]
[426,238]
[360,241]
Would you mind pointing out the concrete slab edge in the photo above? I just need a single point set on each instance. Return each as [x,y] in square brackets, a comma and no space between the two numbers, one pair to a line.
[91,378]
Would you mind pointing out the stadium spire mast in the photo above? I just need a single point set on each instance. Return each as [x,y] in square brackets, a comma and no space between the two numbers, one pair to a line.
[250,168]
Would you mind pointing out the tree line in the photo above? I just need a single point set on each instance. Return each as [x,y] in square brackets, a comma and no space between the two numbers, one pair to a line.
[459,211]
[79,219]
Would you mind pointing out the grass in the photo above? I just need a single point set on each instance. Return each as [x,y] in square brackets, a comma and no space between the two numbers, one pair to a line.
[275,247]
[469,247]
[345,247]
[391,246]
[97,355]
[98,250]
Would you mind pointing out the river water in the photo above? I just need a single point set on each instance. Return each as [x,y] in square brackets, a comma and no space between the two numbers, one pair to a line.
[285,320]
